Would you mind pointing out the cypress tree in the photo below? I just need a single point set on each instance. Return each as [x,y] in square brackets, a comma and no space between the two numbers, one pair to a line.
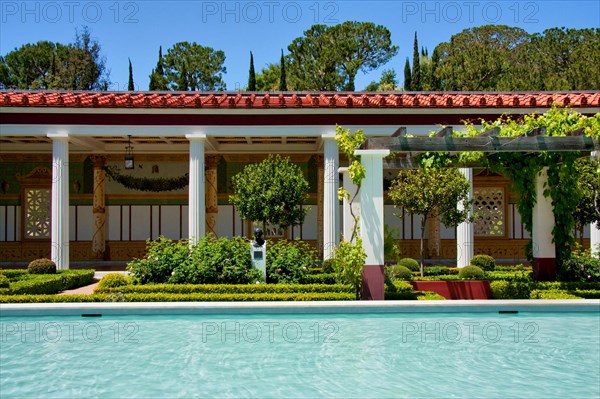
[130,85]
[158,81]
[416,68]
[436,83]
[251,75]
[407,76]
[282,80]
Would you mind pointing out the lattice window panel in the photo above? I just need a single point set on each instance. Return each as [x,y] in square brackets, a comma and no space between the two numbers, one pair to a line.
[37,213]
[489,207]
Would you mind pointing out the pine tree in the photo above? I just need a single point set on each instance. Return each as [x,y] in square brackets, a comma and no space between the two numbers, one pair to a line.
[182,83]
[251,75]
[282,80]
[407,76]
[416,67]
[130,85]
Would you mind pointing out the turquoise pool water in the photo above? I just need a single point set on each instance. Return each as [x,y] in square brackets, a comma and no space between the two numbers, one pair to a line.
[536,355]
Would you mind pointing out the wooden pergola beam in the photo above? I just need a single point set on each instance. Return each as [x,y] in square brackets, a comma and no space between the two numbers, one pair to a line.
[483,144]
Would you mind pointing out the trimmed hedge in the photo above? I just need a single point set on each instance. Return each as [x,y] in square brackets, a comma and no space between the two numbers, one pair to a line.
[50,283]
[323,278]
[484,262]
[523,289]
[190,297]
[41,266]
[429,296]
[113,280]
[552,294]
[410,263]
[471,273]
[228,288]
[4,281]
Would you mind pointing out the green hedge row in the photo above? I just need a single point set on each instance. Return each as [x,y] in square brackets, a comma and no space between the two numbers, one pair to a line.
[523,290]
[229,288]
[39,284]
[189,297]
[322,278]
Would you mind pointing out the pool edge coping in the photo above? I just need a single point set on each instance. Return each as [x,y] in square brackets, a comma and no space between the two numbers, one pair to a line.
[308,307]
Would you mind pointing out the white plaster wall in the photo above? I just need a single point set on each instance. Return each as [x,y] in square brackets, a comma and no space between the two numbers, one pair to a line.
[85,222]
[140,222]
[169,221]
[8,215]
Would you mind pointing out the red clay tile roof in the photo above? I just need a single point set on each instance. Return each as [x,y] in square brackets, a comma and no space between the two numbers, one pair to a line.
[93,99]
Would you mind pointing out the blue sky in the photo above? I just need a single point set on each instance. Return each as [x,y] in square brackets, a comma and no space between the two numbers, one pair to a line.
[136,29]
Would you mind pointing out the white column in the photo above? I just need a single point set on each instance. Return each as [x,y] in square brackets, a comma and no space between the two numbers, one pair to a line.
[465,243]
[347,218]
[59,239]
[371,205]
[544,251]
[594,230]
[196,194]
[330,198]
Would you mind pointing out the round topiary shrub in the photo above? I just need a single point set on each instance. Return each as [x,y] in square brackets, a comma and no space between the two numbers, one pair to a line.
[471,273]
[484,262]
[41,266]
[4,281]
[112,280]
[398,272]
[410,264]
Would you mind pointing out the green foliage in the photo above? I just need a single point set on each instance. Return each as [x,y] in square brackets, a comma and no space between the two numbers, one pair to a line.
[432,192]
[516,275]
[348,263]
[552,294]
[471,273]
[588,182]
[41,266]
[228,288]
[409,263]
[268,78]
[581,265]
[399,290]
[272,191]
[327,58]
[289,261]
[510,289]
[49,283]
[416,67]
[190,66]
[429,296]
[168,297]
[162,257]
[484,262]
[397,272]
[112,280]
[216,260]
[158,81]
[323,278]
[283,74]
[437,270]
[4,281]
[389,243]
[327,266]
[251,75]
[156,184]
[130,85]
[407,76]
[347,143]
[49,66]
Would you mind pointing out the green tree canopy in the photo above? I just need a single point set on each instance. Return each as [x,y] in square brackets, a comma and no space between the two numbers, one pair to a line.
[588,181]
[268,78]
[130,85]
[480,58]
[432,192]
[190,66]
[48,65]
[272,191]
[328,58]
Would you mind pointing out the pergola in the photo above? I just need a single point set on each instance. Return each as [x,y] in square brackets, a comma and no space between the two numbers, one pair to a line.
[374,154]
